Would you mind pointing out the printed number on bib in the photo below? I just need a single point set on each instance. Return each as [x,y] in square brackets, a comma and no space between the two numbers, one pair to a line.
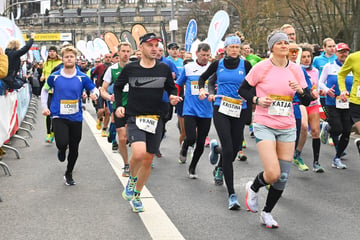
[230,106]
[281,105]
[148,123]
[69,106]
[340,104]
[195,87]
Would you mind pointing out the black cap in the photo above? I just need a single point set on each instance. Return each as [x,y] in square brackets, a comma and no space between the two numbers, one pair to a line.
[173,45]
[148,37]
[53,48]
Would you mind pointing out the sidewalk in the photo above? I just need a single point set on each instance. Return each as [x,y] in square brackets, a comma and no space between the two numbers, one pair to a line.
[38,205]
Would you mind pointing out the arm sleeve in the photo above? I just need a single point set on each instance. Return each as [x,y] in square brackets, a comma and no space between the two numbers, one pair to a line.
[211,84]
[306,98]
[246,91]
[345,69]
[44,98]
[323,78]
[25,48]
[209,71]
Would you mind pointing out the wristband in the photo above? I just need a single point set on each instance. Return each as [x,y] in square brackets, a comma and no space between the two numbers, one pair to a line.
[257,101]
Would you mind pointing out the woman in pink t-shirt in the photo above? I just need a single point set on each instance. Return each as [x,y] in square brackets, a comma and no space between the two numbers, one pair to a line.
[276,81]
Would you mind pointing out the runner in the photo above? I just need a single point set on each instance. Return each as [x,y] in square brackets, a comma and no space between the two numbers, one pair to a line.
[65,109]
[147,80]
[276,81]
[197,113]
[338,111]
[110,77]
[230,112]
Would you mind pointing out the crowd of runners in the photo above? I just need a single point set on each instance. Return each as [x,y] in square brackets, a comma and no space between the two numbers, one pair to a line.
[297,91]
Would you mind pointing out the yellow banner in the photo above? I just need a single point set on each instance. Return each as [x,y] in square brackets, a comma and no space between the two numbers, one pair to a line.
[45,37]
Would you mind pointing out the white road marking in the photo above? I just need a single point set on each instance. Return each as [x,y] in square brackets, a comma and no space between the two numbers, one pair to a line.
[154,218]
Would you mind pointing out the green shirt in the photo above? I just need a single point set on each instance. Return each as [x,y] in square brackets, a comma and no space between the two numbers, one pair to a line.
[253,59]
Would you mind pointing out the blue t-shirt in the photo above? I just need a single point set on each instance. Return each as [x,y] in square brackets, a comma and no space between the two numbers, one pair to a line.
[66,100]
[179,63]
[320,61]
[228,81]
[193,106]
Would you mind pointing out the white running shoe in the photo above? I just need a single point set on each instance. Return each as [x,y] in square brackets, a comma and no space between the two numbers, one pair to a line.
[267,219]
[251,199]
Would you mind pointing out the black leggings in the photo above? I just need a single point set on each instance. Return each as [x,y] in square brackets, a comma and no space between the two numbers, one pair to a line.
[196,130]
[68,133]
[340,124]
[49,127]
[231,133]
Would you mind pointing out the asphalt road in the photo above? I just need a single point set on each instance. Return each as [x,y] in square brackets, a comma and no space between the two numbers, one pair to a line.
[37,205]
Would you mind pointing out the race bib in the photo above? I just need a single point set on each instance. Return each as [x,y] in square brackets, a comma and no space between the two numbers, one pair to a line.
[341,104]
[230,106]
[358,91]
[195,87]
[281,105]
[69,106]
[148,123]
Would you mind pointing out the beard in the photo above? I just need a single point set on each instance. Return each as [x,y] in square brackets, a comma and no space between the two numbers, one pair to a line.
[69,65]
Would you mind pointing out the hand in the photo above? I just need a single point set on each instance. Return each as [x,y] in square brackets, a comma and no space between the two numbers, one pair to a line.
[296,87]
[322,93]
[315,94]
[84,95]
[112,98]
[93,96]
[174,99]
[120,112]
[264,102]
[42,78]
[46,112]
[211,98]
[202,94]
[344,95]
[331,91]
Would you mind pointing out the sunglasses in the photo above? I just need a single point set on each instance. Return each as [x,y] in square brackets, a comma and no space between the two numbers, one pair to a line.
[293,51]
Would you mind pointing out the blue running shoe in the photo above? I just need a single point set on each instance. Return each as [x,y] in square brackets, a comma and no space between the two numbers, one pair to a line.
[213,156]
[137,205]
[128,192]
[336,163]
[233,202]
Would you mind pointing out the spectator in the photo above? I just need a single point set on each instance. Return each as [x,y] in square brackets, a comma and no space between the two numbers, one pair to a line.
[4,65]
[14,52]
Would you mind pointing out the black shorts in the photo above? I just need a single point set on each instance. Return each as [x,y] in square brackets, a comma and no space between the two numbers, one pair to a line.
[355,112]
[134,134]
[100,103]
[179,109]
[339,120]
[120,122]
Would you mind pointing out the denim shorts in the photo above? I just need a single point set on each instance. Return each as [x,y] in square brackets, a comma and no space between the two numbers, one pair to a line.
[263,132]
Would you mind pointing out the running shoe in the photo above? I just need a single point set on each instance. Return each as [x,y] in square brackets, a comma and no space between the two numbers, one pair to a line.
[192,174]
[268,220]
[241,156]
[213,156]
[115,146]
[317,168]
[104,133]
[182,159]
[233,202]
[251,199]
[300,164]
[218,176]
[331,142]
[357,144]
[158,154]
[244,144]
[137,205]
[69,181]
[61,156]
[126,171]
[207,142]
[128,192]
[52,137]
[324,134]
[336,163]
[98,124]
[251,130]
[48,138]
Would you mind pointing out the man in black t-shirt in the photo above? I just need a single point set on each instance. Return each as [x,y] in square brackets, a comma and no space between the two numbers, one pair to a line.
[147,79]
